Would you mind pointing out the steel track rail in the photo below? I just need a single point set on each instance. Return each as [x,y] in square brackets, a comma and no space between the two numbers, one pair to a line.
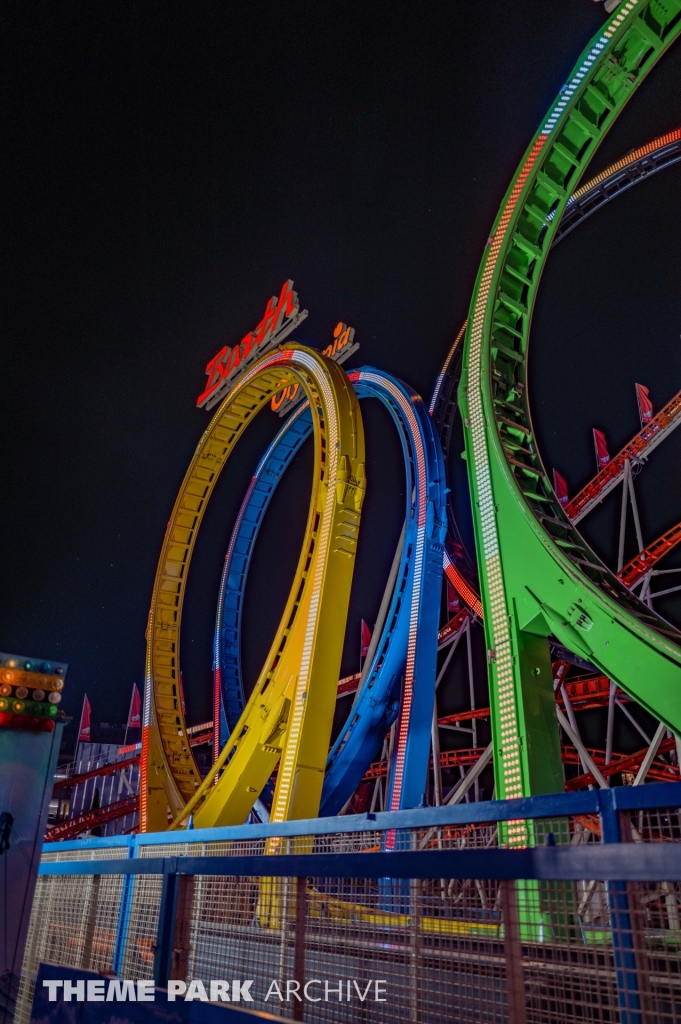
[288,717]
[662,152]
[411,622]
[538,575]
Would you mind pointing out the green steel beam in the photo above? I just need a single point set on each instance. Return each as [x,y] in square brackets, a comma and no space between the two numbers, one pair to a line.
[538,575]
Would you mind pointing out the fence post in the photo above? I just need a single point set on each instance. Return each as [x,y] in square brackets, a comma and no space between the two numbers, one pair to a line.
[165,934]
[628,995]
[181,947]
[124,916]
[91,921]
[415,926]
[513,952]
[299,943]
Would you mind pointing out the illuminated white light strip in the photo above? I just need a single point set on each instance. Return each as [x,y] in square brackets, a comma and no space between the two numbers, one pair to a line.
[408,690]
[568,90]
[499,612]
[436,392]
[289,757]
[441,376]
[499,615]
[149,696]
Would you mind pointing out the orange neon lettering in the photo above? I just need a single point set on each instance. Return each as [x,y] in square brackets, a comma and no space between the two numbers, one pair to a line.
[279,399]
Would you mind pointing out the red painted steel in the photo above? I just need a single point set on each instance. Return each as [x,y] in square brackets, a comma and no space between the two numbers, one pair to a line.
[640,445]
[647,559]
[659,770]
[105,769]
[73,827]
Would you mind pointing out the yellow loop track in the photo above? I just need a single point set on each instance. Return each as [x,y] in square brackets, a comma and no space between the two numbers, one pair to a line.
[289,714]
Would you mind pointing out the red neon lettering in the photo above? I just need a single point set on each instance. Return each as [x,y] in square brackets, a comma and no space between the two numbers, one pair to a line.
[286,306]
[215,373]
[234,360]
[264,328]
[276,311]
[247,344]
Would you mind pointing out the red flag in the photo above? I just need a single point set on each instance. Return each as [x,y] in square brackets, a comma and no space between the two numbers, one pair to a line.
[184,710]
[560,487]
[645,406]
[84,730]
[135,713]
[453,603]
[602,455]
[365,640]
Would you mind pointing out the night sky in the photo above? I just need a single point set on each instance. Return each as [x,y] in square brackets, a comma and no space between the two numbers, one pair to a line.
[166,167]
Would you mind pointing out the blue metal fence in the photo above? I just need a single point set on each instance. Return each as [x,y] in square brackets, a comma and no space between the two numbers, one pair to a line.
[631,842]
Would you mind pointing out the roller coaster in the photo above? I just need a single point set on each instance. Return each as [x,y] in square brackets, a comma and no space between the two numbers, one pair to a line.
[563,632]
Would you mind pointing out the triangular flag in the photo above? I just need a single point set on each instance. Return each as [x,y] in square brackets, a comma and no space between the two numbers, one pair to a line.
[84,729]
[365,639]
[453,602]
[560,487]
[645,406]
[184,710]
[602,454]
[135,713]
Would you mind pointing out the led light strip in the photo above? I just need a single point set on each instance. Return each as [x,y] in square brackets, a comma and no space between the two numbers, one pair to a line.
[461,587]
[595,52]
[503,655]
[508,717]
[408,690]
[149,704]
[443,373]
[651,147]
[290,754]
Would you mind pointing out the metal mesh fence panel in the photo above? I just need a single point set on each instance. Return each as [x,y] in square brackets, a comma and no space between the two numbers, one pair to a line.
[140,940]
[437,950]
[323,949]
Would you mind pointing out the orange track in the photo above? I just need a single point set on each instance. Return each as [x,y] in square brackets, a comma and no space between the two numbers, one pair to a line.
[636,447]
[648,558]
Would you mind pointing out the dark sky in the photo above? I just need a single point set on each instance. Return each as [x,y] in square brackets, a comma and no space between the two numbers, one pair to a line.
[167,166]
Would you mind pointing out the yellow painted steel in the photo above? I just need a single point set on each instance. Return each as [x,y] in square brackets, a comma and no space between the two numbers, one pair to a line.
[289,714]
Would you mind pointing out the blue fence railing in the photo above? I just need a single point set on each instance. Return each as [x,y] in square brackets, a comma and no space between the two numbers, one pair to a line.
[627,838]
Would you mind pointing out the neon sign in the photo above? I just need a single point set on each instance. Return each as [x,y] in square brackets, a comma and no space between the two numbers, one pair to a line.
[282,316]
[339,350]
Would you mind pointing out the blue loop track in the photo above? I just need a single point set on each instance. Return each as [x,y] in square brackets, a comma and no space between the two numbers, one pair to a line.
[401,676]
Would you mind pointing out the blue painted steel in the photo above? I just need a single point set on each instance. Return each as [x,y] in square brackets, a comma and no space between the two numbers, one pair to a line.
[628,997]
[605,802]
[124,913]
[619,863]
[412,621]
[165,933]
[407,649]
[228,679]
